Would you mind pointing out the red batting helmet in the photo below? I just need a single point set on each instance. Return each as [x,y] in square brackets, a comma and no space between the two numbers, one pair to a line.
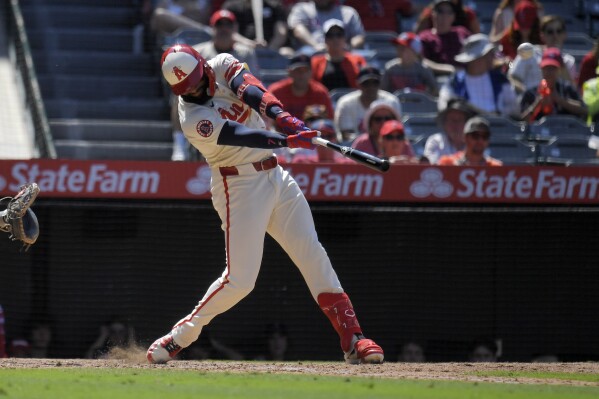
[183,68]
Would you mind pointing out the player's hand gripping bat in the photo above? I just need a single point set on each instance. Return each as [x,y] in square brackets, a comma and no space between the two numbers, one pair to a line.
[376,163]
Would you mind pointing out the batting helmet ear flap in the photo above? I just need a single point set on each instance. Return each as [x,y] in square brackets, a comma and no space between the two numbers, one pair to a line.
[211,79]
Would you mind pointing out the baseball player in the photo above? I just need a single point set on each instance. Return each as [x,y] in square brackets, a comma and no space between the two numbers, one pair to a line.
[220,108]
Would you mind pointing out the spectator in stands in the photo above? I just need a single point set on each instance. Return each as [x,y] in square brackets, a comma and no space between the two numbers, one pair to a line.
[464,16]
[504,15]
[383,14]
[525,71]
[337,68]
[321,154]
[315,111]
[443,41]
[553,34]
[378,113]
[40,339]
[207,347]
[408,70]
[588,65]
[172,15]
[351,108]
[299,90]
[483,351]
[2,334]
[19,347]
[224,24]
[477,133]
[525,28]
[394,145]
[480,84]
[411,352]
[306,22]
[554,95]
[274,19]
[590,96]
[276,342]
[451,137]
[115,333]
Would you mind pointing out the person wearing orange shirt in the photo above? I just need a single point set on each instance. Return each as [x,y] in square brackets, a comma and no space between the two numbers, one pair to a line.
[337,67]
[477,133]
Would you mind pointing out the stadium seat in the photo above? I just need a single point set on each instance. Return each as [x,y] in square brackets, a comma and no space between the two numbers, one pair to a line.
[375,40]
[418,128]
[560,125]
[269,76]
[270,59]
[416,102]
[336,94]
[187,36]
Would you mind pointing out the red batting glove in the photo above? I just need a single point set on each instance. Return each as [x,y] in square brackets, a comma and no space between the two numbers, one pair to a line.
[302,140]
[289,124]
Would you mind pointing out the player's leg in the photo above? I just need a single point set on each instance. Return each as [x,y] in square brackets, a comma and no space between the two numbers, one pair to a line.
[292,226]
[244,205]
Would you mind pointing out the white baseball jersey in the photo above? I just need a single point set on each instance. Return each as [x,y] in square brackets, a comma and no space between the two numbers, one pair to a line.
[202,124]
[250,204]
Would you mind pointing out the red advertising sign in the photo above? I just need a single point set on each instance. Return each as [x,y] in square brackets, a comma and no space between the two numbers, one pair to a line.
[320,182]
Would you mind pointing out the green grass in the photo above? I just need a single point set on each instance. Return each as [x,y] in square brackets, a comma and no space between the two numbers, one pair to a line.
[589,377]
[70,383]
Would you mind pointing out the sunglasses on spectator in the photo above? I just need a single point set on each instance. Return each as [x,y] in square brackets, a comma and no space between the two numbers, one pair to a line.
[480,136]
[390,137]
[554,31]
[334,35]
[224,23]
[382,118]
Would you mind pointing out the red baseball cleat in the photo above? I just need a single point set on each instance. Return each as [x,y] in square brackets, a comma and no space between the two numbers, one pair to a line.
[365,351]
[163,350]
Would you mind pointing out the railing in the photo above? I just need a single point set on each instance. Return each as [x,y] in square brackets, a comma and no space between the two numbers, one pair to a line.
[21,52]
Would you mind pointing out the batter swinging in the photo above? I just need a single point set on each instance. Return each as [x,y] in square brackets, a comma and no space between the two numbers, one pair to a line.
[220,103]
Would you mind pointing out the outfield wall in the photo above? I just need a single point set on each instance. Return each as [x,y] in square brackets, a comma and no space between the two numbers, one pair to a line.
[442,274]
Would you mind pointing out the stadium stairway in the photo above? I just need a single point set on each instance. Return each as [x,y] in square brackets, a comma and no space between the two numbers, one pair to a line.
[101,87]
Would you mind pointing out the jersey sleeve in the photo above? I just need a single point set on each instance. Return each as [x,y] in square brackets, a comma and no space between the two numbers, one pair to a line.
[201,126]
[226,68]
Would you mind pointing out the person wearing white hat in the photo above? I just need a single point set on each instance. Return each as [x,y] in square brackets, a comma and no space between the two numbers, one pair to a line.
[488,89]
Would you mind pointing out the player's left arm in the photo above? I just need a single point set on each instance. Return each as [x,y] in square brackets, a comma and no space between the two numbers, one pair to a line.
[250,90]
[236,134]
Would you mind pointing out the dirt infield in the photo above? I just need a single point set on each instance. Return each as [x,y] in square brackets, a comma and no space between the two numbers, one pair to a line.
[421,371]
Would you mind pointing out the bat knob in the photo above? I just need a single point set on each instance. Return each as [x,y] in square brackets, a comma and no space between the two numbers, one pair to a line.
[385,165]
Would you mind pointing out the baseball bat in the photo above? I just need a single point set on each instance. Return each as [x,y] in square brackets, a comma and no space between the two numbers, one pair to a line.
[257,8]
[376,163]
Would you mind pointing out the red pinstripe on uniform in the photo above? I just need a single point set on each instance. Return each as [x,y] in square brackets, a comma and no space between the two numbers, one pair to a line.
[228,260]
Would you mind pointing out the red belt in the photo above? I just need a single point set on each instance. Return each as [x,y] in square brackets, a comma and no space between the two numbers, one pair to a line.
[265,164]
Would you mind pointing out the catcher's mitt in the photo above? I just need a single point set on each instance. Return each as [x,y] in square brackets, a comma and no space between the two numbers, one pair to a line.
[18,219]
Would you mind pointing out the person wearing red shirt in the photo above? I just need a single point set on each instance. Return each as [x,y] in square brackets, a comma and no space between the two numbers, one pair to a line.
[588,65]
[526,27]
[382,14]
[299,91]
[337,67]
[465,16]
[477,133]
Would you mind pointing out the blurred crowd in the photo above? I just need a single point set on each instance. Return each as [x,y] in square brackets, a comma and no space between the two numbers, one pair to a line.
[271,344]
[339,79]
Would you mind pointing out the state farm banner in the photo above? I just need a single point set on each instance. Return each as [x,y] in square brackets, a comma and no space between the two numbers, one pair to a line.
[320,182]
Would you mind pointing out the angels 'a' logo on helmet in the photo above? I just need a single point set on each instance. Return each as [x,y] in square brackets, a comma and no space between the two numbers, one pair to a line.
[179,73]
